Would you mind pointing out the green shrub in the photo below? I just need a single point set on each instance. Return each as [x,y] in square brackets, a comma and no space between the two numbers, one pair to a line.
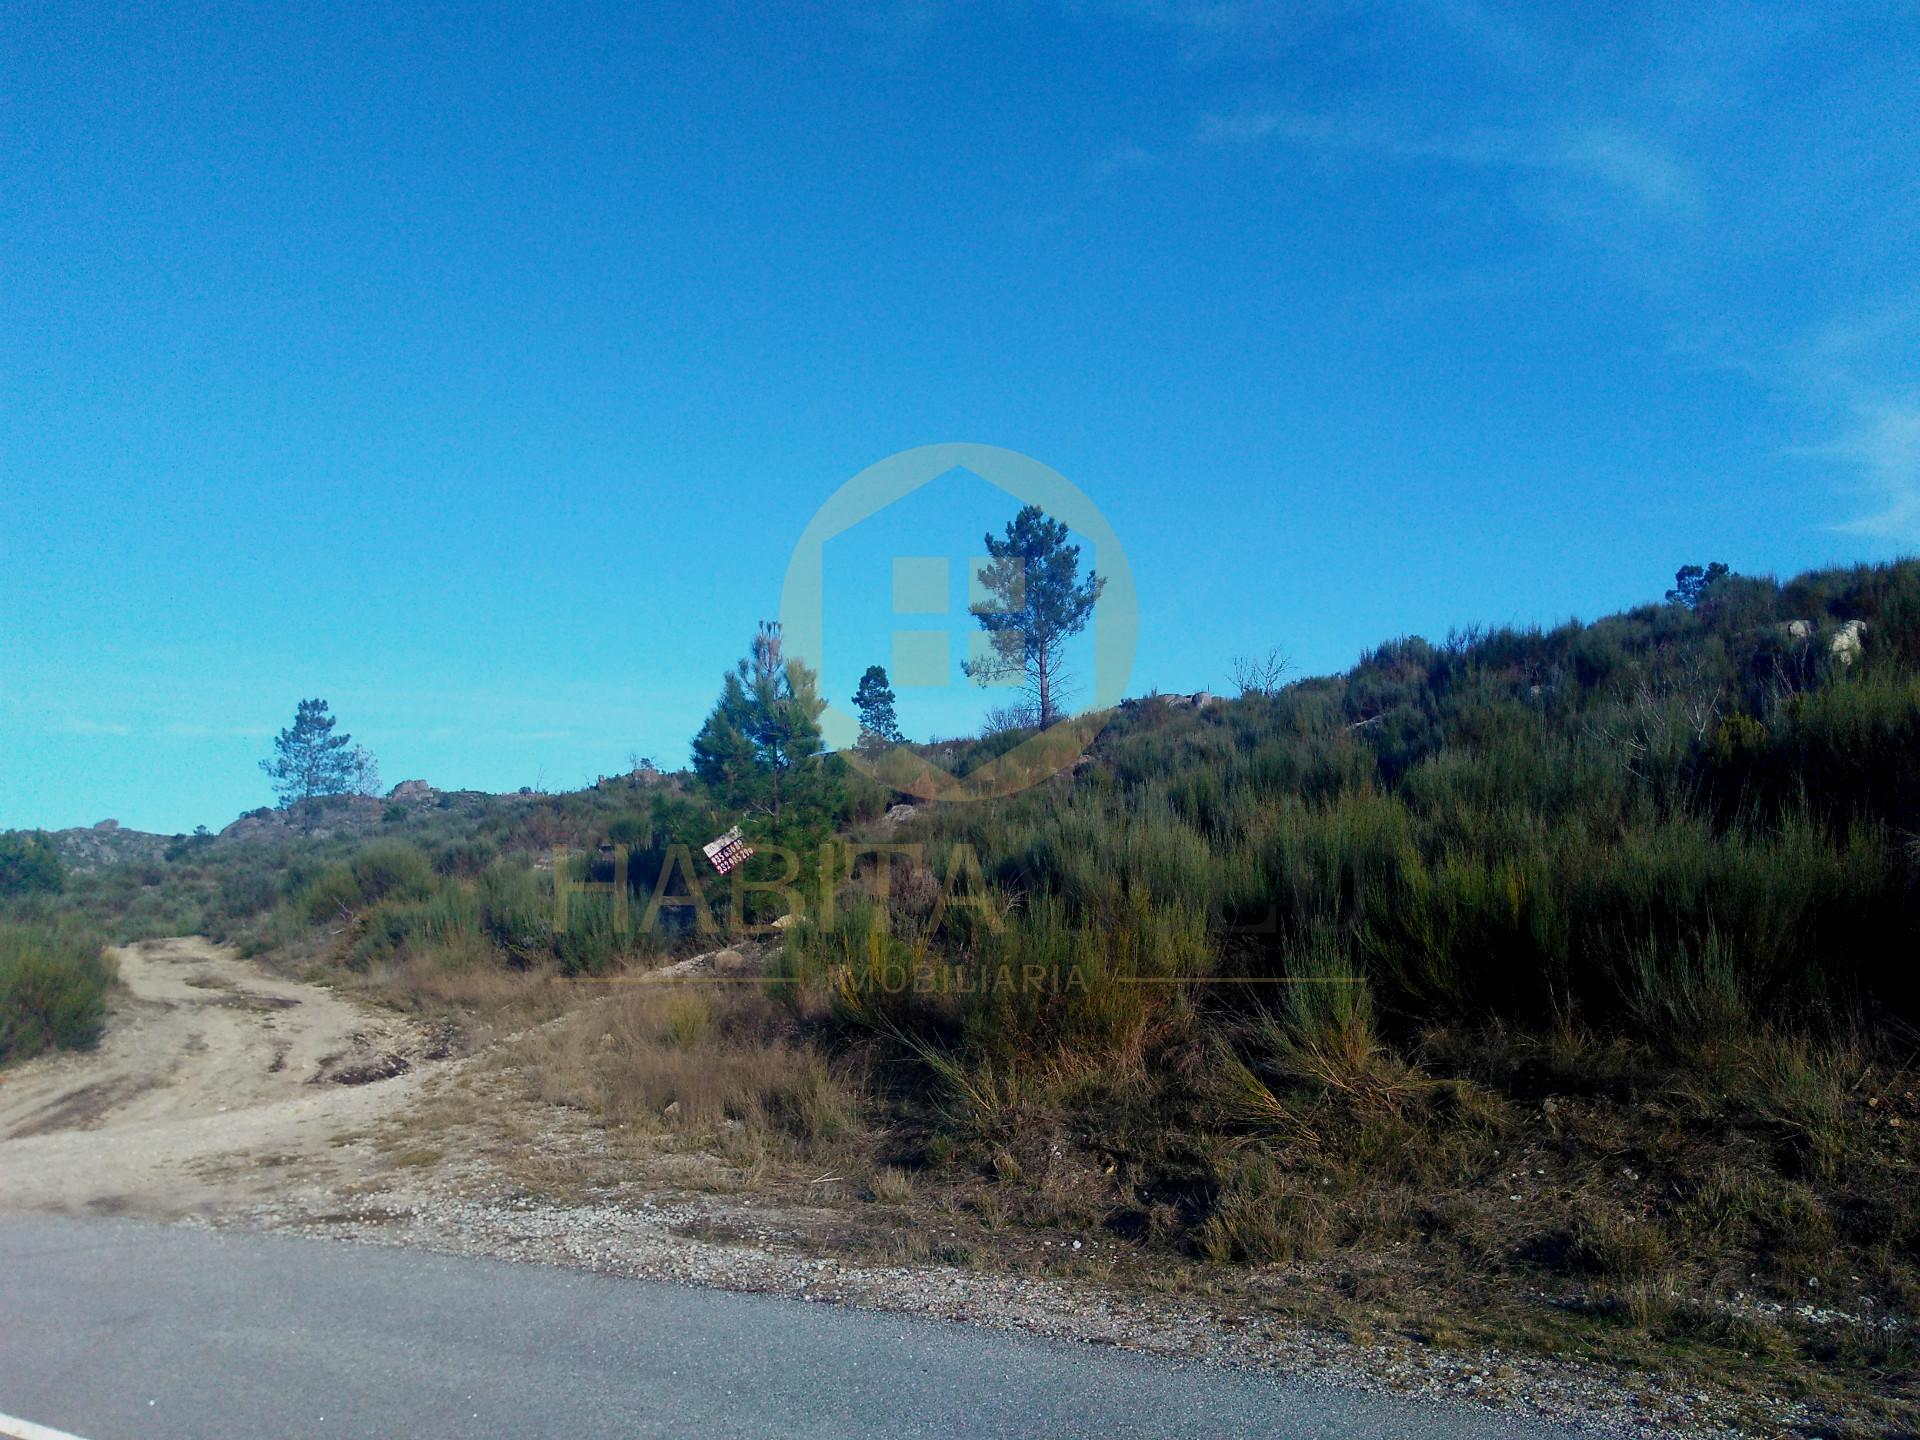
[333,893]
[53,987]
[590,941]
[1644,842]
[384,932]
[246,889]
[392,869]
[632,831]
[516,911]
[29,864]
[447,921]
[464,858]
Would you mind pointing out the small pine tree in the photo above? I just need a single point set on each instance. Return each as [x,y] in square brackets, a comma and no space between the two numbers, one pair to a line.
[874,700]
[310,760]
[766,722]
[1039,603]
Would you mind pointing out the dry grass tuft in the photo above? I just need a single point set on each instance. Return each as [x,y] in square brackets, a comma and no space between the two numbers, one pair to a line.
[728,1068]
[890,1186]
[438,985]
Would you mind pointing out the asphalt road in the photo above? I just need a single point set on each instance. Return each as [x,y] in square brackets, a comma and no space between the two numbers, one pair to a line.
[113,1330]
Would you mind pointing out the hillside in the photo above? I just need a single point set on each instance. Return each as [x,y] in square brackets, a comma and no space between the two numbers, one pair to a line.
[92,847]
[1539,988]
[84,848]
[1560,980]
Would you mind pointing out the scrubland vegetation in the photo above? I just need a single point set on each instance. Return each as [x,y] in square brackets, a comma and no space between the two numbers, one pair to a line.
[1576,962]
[1544,984]
[53,970]
[53,986]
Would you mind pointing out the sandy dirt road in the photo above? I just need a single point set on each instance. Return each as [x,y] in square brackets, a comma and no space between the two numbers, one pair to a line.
[215,1082]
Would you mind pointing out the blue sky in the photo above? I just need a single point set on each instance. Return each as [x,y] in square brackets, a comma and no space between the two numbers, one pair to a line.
[478,369]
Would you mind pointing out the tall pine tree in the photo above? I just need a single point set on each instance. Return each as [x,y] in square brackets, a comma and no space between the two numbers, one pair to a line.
[1038,603]
[310,760]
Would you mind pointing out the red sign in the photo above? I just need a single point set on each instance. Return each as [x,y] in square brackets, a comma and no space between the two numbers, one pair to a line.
[728,851]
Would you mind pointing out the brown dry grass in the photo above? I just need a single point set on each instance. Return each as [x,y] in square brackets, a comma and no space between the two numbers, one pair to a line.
[484,1000]
[722,1064]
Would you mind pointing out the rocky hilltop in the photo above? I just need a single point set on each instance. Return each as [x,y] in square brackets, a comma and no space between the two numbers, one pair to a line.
[90,847]
[94,847]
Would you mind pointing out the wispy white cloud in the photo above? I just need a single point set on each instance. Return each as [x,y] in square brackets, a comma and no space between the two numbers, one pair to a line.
[1120,159]
[77,725]
[1886,334]
[194,730]
[1861,369]
[1675,157]
[1883,445]
[1631,162]
[1625,160]
[1255,126]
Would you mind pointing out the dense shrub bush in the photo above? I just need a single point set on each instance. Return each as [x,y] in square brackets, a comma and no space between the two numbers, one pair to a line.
[29,864]
[392,869]
[53,988]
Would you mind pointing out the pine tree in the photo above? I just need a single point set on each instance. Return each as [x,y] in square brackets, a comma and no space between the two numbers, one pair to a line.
[766,721]
[1039,603]
[310,760]
[874,701]
[1691,584]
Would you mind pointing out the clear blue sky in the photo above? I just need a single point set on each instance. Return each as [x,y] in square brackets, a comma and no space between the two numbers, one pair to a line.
[477,370]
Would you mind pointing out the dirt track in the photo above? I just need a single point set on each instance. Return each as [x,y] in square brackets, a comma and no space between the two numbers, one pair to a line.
[215,1082]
